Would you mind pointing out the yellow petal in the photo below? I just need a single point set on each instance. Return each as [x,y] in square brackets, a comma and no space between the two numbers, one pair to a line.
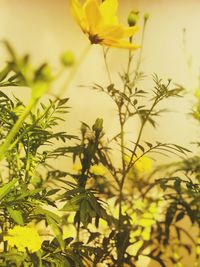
[108,11]
[120,44]
[93,15]
[79,15]
[111,32]
[130,31]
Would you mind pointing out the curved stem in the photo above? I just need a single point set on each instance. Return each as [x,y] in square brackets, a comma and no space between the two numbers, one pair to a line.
[105,51]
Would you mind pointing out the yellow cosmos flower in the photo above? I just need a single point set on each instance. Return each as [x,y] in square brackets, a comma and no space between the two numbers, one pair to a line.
[100,23]
[23,237]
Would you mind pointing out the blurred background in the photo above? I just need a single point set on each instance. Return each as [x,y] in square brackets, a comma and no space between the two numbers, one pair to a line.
[45,29]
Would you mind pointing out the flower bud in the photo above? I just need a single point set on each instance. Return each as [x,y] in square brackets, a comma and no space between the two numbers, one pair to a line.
[46,73]
[83,128]
[133,18]
[98,126]
[67,59]
[146,16]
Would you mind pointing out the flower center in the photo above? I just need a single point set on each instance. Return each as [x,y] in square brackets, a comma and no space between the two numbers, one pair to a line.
[94,39]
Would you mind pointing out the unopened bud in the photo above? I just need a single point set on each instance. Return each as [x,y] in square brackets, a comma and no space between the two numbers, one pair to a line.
[46,73]
[83,128]
[67,59]
[98,126]
[133,18]
[146,16]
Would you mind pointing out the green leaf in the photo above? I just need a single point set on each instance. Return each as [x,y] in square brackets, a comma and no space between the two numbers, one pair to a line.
[85,212]
[47,213]
[57,231]
[16,215]
[74,203]
[4,190]
[180,216]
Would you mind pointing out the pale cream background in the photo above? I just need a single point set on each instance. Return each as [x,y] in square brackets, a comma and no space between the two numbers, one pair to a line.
[45,29]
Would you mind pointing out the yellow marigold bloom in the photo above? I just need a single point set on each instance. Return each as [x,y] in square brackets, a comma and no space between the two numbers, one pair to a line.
[23,237]
[100,23]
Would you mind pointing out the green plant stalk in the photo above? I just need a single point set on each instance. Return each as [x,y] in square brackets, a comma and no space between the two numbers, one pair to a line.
[129,58]
[105,51]
[6,145]
[141,50]
[123,166]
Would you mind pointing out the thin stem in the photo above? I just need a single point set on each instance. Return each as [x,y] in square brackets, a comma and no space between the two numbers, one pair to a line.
[141,50]
[129,58]
[123,165]
[105,51]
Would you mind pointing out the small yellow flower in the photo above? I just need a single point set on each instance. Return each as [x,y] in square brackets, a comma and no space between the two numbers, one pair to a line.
[100,23]
[144,164]
[23,237]
[97,170]
[77,167]
[198,246]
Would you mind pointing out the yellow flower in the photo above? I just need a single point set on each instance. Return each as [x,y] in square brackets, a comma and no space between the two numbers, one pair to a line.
[77,167]
[144,164]
[23,237]
[97,170]
[198,246]
[100,23]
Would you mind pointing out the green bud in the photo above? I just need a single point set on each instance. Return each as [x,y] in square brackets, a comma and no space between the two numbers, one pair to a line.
[98,126]
[46,73]
[133,18]
[43,73]
[146,16]
[67,59]
[83,128]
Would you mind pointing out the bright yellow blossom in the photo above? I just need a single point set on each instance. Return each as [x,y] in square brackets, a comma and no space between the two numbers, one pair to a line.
[97,170]
[98,20]
[23,237]
[144,164]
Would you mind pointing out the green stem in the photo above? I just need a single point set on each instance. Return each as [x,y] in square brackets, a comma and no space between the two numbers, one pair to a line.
[6,145]
[141,50]
[105,51]
[123,166]
[129,58]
